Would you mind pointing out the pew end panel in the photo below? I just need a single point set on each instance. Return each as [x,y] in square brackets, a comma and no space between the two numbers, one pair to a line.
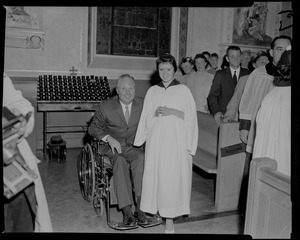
[230,167]
[268,212]
[221,152]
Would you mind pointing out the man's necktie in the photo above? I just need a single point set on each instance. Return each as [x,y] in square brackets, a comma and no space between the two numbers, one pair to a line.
[127,114]
[234,78]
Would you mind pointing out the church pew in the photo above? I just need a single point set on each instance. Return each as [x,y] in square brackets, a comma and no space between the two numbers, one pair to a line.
[268,212]
[221,152]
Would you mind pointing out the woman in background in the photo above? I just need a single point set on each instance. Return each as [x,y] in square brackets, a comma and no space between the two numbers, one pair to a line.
[187,68]
[225,63]
[259,59]
[245,58]
[200,83]
[168,125]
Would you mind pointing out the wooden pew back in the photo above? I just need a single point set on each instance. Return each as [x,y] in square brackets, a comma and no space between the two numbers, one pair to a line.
[207,150]
[208,133]
[268,212]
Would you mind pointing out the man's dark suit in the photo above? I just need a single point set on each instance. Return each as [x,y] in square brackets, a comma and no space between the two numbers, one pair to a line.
[109,119]
[222,90]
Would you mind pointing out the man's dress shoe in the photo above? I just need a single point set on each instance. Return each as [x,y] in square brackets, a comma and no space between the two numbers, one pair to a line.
[129,220]
[141,218]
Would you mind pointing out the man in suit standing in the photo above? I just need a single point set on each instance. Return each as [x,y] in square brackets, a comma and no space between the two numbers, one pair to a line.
[224,83]
[115,122]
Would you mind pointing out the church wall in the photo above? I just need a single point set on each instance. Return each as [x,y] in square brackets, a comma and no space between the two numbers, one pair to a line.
[65,44]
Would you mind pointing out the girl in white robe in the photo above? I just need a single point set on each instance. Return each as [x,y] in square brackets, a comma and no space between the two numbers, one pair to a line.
[168,125]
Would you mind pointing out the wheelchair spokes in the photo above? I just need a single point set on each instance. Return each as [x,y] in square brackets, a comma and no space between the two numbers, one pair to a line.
[86,172]
[101,185]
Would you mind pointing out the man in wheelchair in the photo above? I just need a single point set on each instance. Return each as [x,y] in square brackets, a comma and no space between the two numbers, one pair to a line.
[115,122]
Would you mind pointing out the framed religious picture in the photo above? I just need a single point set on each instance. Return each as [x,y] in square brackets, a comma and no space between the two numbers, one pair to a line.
[23,27]
[255,25]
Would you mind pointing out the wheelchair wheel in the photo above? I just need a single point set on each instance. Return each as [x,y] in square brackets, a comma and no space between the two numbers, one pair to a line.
[80,172]
[86,172]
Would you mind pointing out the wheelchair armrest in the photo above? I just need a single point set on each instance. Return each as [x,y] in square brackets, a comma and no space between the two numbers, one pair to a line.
[101,142]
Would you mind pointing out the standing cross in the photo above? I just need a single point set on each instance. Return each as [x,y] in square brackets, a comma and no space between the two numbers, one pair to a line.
[73,70]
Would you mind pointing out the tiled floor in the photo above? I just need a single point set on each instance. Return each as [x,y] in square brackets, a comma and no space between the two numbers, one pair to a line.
[71,213]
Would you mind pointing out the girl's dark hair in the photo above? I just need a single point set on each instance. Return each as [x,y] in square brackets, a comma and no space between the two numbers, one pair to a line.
[201,55]
[166,58]
[284,68]
[225,63]
[185,60]
[255,57]
[262,53]
[214,55]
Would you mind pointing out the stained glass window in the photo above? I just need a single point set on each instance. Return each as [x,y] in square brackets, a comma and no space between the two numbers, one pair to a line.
[133,31]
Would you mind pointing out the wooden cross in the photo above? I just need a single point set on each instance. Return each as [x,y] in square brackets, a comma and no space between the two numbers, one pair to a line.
[73,70]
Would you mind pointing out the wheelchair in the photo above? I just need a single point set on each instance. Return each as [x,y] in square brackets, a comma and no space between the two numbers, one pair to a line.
[96,183]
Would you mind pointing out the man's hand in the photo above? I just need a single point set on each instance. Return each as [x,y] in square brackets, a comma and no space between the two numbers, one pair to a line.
[226,119]
[206,108]
[218,117]
[244,135]
[114,144]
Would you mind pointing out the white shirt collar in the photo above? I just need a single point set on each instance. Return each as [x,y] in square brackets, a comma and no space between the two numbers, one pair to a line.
[237,71]
[124,105]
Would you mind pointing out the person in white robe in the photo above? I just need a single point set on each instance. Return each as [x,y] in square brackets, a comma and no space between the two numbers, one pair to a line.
[273,121]
[232,113]
[17,104]
[259,83]
[168,125]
